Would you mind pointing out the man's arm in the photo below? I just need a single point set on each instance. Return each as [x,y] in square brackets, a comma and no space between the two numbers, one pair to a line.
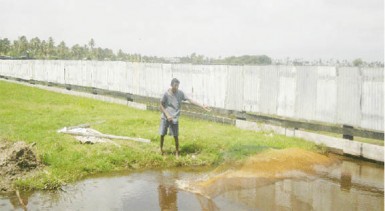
[198,104]
[168,116]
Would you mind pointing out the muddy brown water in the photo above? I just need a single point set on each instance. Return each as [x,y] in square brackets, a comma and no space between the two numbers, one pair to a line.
[349,185]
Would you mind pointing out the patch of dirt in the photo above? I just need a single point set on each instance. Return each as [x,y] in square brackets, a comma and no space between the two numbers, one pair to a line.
[17,160]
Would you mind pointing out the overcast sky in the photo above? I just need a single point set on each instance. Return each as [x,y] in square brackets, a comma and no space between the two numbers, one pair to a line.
[309,29]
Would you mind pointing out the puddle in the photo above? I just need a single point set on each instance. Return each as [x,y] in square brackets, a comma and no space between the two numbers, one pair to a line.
[344,185]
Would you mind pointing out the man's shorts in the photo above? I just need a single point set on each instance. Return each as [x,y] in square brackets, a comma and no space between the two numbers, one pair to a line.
[165,124]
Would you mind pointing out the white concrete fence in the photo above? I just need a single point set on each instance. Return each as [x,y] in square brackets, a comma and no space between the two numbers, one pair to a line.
[338,95]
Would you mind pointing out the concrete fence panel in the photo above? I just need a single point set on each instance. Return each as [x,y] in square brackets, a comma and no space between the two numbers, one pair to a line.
[191,84]
[306,89]
[287,91]
[234,91]
[165,78]
[326,94]
[343,95]
[269,87]
[251,88]
[135,78]
[372,101]
[41,70]
[217,85]
[348,96]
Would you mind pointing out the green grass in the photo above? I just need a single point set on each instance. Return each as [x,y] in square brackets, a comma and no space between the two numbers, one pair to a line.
[34,115]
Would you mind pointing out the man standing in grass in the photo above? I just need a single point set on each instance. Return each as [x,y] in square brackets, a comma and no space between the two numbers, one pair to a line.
[170,107]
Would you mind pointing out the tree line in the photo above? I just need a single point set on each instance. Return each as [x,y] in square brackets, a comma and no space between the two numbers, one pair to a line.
[36,48]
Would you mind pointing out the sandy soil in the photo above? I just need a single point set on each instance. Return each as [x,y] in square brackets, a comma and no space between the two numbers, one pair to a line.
[17,160]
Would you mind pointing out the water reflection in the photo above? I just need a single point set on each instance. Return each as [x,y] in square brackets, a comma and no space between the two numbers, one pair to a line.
[167,191]
[167,197]
[346,181]
[316,194]
[352,185]
[11,201]
[206,203]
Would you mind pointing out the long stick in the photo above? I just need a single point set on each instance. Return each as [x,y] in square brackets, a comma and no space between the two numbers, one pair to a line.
[108,136]
[86,125]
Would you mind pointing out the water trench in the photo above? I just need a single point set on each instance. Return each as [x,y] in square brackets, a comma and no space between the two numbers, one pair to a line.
[289,179]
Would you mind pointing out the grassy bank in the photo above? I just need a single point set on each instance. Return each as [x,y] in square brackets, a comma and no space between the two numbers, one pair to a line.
[34,115]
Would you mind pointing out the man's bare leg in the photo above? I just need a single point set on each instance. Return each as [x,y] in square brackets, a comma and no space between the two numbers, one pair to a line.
[176,146]
[161,144]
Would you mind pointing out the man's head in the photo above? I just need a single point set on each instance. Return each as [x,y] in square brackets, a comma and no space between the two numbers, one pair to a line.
[174,85]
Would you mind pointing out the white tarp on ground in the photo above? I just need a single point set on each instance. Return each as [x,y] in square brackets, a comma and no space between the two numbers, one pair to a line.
[87,135]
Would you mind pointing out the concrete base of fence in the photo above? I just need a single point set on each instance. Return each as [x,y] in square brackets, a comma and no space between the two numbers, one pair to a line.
[373,152]
[263,127]
[354,148]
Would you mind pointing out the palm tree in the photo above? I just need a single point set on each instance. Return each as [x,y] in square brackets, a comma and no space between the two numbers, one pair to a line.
[5,46]
[43,49]
[34,46]
[76,52]
[20,47]
[51,48]
[62,51]
[91,44]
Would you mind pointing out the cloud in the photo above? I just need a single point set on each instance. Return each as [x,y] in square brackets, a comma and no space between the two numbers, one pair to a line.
[309,29]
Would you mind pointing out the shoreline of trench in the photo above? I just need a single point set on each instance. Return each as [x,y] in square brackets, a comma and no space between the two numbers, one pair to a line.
[347,177]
